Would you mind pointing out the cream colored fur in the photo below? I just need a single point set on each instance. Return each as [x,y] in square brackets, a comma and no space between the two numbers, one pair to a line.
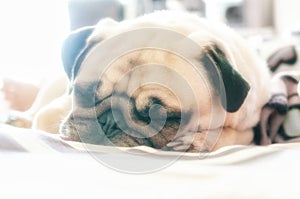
[237,126]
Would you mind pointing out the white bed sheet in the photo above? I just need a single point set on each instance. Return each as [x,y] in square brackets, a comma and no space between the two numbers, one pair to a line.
[43,166]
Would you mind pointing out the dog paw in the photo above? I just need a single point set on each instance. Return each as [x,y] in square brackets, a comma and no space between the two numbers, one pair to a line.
[181,144]
[190,142]
[18,119]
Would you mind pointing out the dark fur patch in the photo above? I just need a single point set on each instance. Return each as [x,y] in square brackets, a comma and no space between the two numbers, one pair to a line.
[80,59]
[85,94]
[110,124]
[228,83]
[72,47]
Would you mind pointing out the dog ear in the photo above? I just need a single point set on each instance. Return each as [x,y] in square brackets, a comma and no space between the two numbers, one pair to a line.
[230,85]
[72,48]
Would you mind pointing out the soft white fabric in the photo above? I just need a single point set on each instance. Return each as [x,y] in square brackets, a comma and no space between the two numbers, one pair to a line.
[55,169]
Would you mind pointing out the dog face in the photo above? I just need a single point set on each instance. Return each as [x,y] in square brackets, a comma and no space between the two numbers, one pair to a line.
[132,86]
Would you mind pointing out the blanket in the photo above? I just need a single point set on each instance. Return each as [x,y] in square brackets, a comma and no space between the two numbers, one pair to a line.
[280,116]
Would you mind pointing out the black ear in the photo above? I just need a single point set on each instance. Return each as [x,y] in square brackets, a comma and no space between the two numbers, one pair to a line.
[227,82]
[72,47]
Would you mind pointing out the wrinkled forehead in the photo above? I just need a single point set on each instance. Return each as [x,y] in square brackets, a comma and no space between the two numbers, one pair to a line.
[165,68]
[146,67]
[128,50]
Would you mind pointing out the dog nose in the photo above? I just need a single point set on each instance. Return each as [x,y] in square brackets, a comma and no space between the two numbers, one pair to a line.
[157,98]
[150,109]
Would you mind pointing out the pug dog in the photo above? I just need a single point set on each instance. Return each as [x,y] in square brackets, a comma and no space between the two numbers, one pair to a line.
[168,80]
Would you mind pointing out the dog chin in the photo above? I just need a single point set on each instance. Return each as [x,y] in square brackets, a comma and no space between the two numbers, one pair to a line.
[92,131]
[105,130]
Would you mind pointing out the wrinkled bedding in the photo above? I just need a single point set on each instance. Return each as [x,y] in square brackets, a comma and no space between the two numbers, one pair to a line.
[35,164]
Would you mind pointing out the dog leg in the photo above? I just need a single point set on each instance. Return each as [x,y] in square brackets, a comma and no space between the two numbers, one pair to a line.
[46,95]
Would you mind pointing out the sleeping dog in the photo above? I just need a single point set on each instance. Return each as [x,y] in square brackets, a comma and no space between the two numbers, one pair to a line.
[167,80]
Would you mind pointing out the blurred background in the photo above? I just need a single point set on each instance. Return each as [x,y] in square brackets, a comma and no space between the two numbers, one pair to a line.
[32,30]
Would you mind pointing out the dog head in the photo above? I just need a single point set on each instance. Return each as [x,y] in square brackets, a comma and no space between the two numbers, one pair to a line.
[144,81]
